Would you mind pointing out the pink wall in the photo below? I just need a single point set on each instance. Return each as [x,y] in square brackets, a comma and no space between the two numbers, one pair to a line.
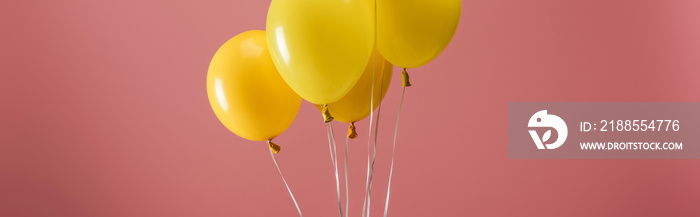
[104,113]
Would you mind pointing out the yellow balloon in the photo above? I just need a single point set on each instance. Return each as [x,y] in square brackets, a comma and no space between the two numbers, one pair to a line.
[354,106]
[320,47]
[245,91]
[411,33]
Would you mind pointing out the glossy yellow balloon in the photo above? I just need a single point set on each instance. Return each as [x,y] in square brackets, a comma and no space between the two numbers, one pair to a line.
[411,33]
[320,47]
[247,94]
[354,106]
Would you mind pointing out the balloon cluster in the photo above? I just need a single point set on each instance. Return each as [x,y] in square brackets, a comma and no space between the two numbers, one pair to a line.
[324,52]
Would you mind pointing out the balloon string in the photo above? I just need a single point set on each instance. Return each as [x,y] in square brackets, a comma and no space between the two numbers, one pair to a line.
[285,182]
[369,142]
[347,196]
[374,153]
[369,139]
[374,157]
[393,151]
[368,186]
[334,160]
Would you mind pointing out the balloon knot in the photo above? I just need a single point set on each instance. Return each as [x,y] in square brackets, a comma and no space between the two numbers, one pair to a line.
[351,131]
[326,114]
[274,147]
[404,78]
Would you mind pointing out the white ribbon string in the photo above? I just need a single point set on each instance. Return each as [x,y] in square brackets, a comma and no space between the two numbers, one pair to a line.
[365,206]
[369,142]
[374,157]
[393,151]
[285,183]
[334,159]
[371,117]
[347,196]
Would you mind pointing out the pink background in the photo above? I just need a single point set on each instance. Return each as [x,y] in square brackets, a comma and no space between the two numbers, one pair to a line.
[104,113]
